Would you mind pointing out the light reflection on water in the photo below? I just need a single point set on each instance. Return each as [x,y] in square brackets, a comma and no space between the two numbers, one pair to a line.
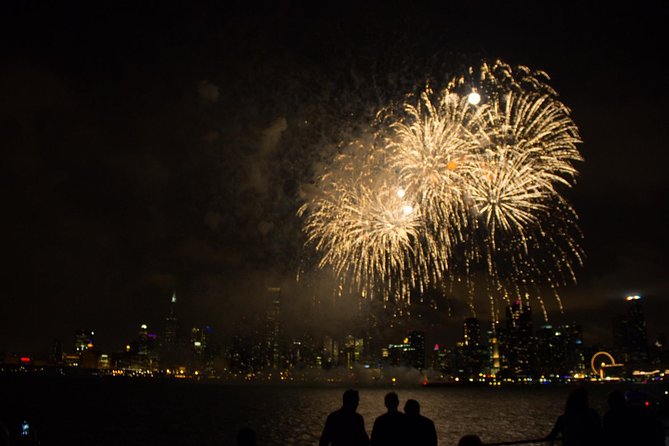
[494,414]
[119,412]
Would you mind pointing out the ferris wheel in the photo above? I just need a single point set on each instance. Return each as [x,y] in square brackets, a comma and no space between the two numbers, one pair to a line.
[600,361]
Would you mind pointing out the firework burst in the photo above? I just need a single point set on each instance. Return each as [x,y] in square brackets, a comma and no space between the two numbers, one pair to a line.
[363,224]
[526,234]
[432,148]
[450,176]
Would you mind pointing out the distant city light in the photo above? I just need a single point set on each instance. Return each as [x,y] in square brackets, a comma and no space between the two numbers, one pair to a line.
[635,297]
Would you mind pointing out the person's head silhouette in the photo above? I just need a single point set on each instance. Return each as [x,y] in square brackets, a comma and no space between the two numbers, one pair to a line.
[577,401]
[470,440]
[616,400]
[351,399]
[412,408]
[246,437]
[391,401]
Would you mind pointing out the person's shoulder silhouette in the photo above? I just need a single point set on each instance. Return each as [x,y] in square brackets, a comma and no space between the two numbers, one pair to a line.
[390,428]
[4,434]
[579,424]
[617,423]
[345,427]
[645,428]
[470,440]
[420,429]
[246,437]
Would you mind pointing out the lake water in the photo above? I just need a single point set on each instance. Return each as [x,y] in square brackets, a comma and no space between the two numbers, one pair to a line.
[86,411]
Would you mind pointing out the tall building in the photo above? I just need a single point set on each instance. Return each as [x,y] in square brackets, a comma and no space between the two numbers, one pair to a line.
[417,352]
[200,349]
[352,350]
[472,332]
[518,341]
[560,350]
[274,328]
[439,358]
[410,353]
[141,353]
[330,356]
[575,358]
[143,340]
[171,324]
[630,335]
[473,355]
[494,360]
[173,352]
[247,351]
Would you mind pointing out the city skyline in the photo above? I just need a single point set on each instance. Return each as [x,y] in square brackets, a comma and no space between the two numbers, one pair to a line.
[146,156]
[518,345]
[513,351]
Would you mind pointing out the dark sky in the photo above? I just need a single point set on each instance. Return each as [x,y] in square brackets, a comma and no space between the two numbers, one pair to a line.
[160,147]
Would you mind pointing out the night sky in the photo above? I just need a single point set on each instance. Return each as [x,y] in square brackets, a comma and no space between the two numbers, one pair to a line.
[162,147]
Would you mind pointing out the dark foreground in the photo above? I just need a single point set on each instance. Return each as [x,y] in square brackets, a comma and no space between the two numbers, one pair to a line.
[96,411]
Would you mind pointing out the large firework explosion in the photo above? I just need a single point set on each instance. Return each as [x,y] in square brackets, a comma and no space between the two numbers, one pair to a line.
[359,218]
[473,173]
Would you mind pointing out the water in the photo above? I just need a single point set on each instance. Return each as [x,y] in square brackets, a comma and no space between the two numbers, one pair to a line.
[88,411]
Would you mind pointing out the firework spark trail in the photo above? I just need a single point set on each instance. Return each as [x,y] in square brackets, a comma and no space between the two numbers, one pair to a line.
[478,181]
[431,148]
[365,226]
[529,154]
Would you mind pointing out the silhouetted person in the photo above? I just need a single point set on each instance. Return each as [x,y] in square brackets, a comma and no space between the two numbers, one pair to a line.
[4,434]
[617,423]
[470,440]
[420,429]
[580,425]
[345,427]
[646,429]
[246,437]
[390,428]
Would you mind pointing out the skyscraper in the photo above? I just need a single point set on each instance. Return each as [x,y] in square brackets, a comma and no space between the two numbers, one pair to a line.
[274,328]
[560,350]
[416,354]
[630,335]
[518,345]
[472,332]
[352,348]
[171,324]
[172,353]
[472,359]
[410,353]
